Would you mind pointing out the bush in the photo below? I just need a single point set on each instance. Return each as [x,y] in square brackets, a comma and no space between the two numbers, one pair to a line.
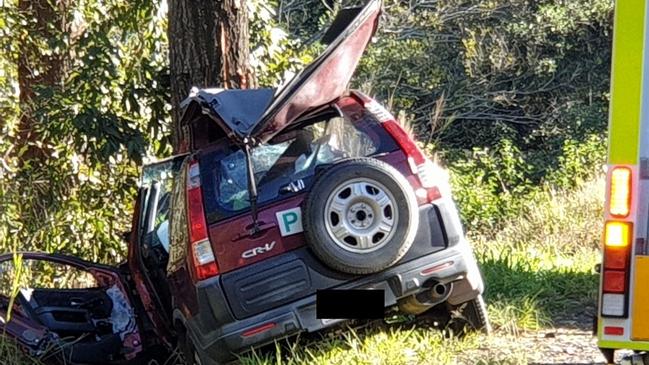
[492,185]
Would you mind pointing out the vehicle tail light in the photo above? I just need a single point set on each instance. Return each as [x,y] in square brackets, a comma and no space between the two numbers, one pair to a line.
[618,238]
[203,260]
[617,234]
[614,281]
[419,164]
[617,244]
[613,305]
[620,192]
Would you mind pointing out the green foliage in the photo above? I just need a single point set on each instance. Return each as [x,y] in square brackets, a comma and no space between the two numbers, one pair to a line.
[492,184]
[274,53]
[539,266]
[95,125]
[370,346]
[488,184]
[579,162]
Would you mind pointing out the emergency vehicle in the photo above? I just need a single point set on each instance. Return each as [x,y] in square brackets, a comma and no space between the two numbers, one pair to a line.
[623,313]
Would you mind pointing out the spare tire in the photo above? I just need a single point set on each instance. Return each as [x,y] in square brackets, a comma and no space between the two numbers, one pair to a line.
[361,216]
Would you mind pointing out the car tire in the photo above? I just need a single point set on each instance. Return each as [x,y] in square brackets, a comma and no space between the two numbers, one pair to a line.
[361,216]
[458,320]
[471,315]
[188,350]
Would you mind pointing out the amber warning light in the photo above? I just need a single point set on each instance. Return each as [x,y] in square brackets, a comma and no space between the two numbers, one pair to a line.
[620,188]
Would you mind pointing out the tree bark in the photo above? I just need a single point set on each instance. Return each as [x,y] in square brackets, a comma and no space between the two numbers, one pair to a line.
[208,47]
[47,21]
[235,51]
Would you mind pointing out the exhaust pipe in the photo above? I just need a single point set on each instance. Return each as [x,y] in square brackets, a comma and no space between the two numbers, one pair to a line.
[440,291]
[421,302]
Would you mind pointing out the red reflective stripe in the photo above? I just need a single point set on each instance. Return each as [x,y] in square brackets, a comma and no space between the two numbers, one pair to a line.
[437,268]
[259,329]
[614,331]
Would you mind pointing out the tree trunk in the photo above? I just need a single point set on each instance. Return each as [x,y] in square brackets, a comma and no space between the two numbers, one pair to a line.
[208,47]
[38,69]
[235,51]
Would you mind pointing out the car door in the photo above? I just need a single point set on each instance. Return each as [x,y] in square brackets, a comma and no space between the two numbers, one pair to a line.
[148,249]
[68,308]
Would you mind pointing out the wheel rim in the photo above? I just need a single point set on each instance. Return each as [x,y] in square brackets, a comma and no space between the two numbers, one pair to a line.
[361,215]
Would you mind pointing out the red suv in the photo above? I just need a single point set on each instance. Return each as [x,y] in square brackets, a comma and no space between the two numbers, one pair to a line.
[288,211]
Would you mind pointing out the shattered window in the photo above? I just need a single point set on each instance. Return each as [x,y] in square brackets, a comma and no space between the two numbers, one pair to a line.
[289,156]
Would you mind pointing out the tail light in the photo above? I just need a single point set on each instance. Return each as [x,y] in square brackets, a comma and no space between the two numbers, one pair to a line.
[203,261]
[419,164]
[620,198]
[617,244]
[618,238]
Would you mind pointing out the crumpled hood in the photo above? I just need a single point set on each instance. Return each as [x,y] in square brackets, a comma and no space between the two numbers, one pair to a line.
[236,111]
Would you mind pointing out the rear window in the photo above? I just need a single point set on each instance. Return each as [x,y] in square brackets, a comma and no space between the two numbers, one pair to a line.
[291,158]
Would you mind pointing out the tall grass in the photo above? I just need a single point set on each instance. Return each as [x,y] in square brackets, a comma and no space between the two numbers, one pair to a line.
[539,267]
[11,354]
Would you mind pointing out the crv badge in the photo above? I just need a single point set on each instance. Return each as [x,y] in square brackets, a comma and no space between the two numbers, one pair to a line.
[258,250]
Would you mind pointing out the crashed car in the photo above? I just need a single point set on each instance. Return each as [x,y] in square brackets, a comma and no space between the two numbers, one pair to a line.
[288,211]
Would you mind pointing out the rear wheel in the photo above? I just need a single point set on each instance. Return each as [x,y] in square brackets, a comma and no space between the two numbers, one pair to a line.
[188,350]
[460,319]
[470,316]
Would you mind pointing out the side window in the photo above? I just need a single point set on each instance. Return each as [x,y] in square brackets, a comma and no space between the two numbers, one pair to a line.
[159,180]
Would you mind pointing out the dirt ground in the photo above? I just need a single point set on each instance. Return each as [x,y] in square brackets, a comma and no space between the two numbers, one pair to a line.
[570,341]
[548,346]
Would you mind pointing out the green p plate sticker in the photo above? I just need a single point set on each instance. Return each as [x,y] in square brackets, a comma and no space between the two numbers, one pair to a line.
[290,221]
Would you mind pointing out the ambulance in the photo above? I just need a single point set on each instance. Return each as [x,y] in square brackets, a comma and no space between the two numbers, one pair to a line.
[623,312]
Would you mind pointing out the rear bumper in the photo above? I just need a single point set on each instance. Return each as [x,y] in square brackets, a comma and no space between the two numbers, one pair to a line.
[298,316]
[218,331]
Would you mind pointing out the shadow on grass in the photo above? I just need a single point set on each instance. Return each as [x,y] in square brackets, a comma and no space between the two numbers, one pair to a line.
[525,291]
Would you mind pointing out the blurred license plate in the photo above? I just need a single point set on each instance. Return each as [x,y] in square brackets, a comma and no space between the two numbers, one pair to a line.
[350,304]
